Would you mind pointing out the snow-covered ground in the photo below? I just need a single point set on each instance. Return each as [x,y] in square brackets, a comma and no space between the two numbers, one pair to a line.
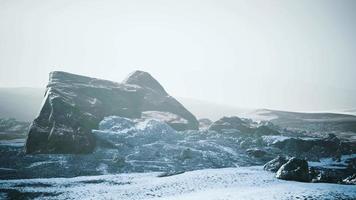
[226,183]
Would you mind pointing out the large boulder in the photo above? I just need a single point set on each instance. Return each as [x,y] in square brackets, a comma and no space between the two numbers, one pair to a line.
[73,105]
[295,169]
[275,164]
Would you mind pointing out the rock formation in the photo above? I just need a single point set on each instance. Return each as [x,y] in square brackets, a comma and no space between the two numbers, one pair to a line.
[74,105]
[275,164]
[295,170]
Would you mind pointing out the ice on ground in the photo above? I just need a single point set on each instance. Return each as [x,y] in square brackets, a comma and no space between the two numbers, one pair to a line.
[210,184]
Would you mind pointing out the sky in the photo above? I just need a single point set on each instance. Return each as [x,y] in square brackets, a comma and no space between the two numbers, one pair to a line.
[289,55]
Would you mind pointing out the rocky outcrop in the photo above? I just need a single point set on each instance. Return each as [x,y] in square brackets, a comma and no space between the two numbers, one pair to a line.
[74,105]
[326,176]
[295,169]
[275,164]
[228,123]
[316,148]
[244,127]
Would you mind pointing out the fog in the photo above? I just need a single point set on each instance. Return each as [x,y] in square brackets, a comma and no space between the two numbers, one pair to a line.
[288,55]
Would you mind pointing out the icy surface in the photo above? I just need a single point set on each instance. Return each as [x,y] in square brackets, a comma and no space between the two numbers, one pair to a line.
[153,145]
[226,183]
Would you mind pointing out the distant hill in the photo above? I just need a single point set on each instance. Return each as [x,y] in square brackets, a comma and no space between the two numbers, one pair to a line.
[24,104]
[213,111]
[20,103]
[315,124]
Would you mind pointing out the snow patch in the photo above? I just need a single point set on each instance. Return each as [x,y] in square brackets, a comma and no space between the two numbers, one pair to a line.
[164,117]
[209,184]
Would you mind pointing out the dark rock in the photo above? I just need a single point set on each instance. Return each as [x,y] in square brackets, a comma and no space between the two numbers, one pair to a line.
[265,130]
[275,164]
[328,176]
[350,180]
[74,105]
[227,123]
[6,173]
[170,173]
[258,153]
[295,169]
[314,149]
[244,127]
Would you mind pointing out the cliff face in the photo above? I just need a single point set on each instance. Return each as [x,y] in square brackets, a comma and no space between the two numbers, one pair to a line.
[73,105]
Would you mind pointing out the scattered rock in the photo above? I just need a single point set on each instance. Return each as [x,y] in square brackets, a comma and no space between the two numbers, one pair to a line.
[350,180]
[275,164]
[328,176]
[295,169]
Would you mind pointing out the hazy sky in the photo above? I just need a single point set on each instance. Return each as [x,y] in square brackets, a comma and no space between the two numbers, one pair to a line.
[294,55]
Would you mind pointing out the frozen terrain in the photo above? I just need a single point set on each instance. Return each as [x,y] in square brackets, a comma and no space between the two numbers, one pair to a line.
[151,145]
[226,183]
[148,159]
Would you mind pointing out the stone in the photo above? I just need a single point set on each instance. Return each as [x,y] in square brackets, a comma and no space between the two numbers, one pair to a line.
[328,176]
[73,105]
[275,164]
[228,123]
[295,170]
